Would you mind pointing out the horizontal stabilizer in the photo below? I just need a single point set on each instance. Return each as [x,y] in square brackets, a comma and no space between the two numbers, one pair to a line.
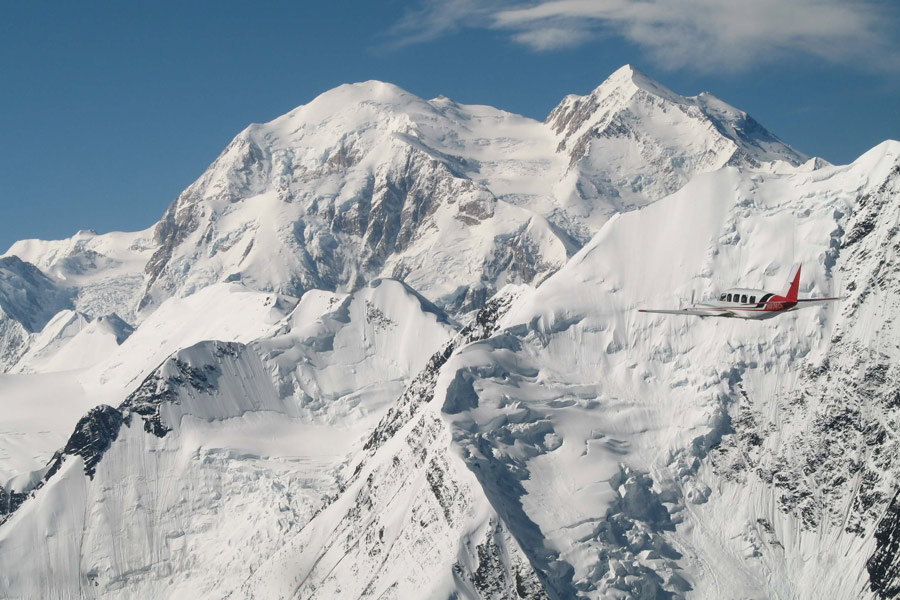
[697,312]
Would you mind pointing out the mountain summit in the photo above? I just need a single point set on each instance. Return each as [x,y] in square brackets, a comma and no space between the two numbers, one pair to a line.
[632,140]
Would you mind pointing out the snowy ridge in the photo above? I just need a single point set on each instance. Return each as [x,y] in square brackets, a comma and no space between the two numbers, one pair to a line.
[71,340]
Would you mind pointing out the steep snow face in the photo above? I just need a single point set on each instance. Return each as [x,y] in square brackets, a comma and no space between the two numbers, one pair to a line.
[632,141]
[28,300]
[369,181]
[203,423]
[65,325]
[29,296]
[349,363]
[220,417]
[104,272]
[645,455]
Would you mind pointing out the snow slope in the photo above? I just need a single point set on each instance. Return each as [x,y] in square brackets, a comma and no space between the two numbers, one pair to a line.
[217,410]
[72,340]
[659,454]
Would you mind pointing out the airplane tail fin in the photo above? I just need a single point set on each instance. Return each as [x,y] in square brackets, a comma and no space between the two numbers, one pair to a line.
[795,287]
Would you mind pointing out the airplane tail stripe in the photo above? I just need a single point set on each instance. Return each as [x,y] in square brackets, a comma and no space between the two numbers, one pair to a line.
[795,287]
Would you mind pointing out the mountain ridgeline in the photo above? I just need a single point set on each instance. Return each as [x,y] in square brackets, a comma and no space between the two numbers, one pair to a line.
[388,347]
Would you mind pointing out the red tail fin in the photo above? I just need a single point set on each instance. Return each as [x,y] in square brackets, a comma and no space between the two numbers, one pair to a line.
[795,287]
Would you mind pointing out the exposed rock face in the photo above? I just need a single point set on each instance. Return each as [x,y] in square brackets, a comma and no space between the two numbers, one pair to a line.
[92,437]
[884,565]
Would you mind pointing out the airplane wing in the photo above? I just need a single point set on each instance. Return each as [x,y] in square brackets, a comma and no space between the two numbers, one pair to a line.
[694,311]
[808,302]
[821,299]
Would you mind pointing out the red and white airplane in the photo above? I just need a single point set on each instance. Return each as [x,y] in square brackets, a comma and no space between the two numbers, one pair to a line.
[740,303]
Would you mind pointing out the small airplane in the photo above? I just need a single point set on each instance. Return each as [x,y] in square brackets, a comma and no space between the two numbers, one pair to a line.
[740,303]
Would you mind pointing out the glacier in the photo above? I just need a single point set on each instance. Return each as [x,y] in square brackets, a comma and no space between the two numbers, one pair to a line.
[387,347]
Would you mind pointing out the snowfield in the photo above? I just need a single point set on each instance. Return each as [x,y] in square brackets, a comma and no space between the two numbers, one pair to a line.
[390,348]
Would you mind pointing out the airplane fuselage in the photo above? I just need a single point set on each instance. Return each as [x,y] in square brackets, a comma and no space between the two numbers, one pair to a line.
[747,303]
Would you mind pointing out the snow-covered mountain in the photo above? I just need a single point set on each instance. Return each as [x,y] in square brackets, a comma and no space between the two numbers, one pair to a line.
[103,272]
[389,348]
[28,300]
[633,140]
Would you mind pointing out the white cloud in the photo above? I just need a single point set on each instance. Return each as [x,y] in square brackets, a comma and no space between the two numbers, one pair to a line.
[552,38]
[435,18]
[699,34]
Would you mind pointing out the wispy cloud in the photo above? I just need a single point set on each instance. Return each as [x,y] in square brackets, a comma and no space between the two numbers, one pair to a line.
[435,18]
[699,34]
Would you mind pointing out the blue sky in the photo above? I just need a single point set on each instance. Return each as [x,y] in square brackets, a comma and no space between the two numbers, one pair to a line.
[109,109]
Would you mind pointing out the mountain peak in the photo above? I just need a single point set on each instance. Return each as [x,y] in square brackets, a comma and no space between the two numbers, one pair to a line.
[351,95]
[374,89]
[629,105]
[631,79]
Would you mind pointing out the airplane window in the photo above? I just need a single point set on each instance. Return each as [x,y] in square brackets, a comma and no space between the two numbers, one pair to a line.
[744,298]
[728,299]
[752,299]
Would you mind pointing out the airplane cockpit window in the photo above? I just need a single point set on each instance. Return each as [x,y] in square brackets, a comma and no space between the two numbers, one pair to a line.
[728,299]
[722,298]
[752,299]
[744,298]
